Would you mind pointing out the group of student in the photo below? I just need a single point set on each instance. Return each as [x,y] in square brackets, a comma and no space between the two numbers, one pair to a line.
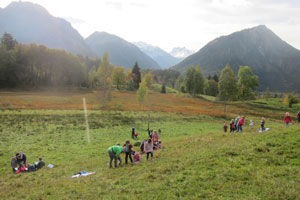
[147,147]
[236,125]
[19,164]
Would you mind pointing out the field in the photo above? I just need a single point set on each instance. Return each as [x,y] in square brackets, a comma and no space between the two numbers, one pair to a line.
[198,160]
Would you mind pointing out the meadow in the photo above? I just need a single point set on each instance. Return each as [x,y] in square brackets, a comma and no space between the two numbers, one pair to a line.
[198,160]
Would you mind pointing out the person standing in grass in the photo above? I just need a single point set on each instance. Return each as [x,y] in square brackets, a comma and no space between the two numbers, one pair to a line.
[240,124]
[128,149]
[148,147]
[132,132]
[262,124]
[298,117]
[231,125]
[287,119]
[14,164]
[236,121]
[114,153]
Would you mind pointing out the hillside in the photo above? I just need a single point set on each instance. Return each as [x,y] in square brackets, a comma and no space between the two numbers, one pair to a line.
[197,160]
[275,62]
[164,59]
[121,52]
[31,23]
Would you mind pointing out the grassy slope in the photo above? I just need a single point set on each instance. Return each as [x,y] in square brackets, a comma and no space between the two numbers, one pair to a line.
[197,159]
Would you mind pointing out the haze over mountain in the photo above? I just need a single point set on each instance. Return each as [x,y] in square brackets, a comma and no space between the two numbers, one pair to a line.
[164,59]
[275,62]
[121,52]
[31,23]
[181,52]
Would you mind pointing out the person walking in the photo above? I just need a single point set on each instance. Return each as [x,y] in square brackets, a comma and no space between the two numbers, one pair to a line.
[287,119]
[114,153]
[240,124]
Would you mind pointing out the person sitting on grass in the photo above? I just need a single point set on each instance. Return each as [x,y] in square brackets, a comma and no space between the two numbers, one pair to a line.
[262,124]
[251,123]
[159,145]
[148,147]
[287,119]
[40,164]
[114,154]
[137,157]
[128,149]
[231,125]
[225,127]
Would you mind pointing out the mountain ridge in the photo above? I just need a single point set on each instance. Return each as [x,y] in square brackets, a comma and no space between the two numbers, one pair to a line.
[31,23]
[272,59]
[120,51]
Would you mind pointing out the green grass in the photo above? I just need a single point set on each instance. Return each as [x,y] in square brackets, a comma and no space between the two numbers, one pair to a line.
[198,161]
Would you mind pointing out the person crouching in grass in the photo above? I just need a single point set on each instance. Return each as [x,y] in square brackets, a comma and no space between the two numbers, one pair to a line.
[128,149]
[148,147]
[114,154]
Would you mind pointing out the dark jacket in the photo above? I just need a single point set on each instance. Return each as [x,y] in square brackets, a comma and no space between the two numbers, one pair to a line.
[21,158]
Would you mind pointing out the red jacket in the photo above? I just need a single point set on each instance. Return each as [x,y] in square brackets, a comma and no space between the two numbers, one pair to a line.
[241,122]
[287,119]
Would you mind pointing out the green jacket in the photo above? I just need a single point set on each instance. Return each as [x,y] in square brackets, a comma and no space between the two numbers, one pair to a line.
[236,121]
[116,150]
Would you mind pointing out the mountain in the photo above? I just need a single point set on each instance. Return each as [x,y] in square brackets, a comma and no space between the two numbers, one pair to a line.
[31,23]
[181,52]
[121,52]
[164,59]
[275,62]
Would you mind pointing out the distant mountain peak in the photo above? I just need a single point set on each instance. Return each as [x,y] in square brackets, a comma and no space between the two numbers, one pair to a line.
[164,59]
[181,52]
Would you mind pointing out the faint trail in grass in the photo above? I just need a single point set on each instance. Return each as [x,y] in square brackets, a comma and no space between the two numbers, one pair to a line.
[86,121]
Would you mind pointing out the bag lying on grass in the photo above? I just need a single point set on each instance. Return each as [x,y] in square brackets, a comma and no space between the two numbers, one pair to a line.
[83,173]
[260,130]
[50,166]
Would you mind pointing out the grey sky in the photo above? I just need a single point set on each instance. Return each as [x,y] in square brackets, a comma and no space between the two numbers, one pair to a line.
[173,23]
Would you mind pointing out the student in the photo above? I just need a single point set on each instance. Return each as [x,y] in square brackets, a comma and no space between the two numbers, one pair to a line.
[132,132]
[142,147]
[287,119]
[159,131]
[225,127]
[148,147]
[114,153]
[23,168]
[14,164]
[236,121]
[262,124]
[159,145]
[21,158]
[240,124]
[231,125]
[155,137]
[128,149]
[137,157]
[40,164]
[298,117]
